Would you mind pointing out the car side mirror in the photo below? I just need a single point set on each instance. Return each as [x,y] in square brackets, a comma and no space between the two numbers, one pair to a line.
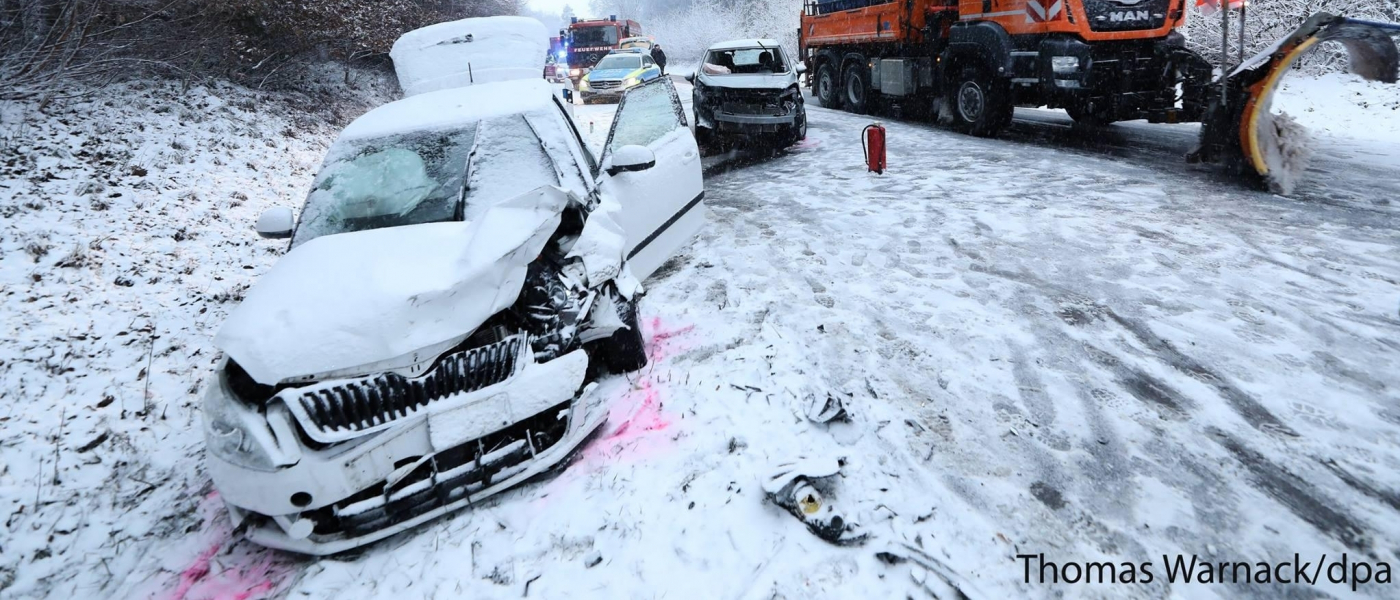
[630,159]
[690,78]
[276,223]
[801,68]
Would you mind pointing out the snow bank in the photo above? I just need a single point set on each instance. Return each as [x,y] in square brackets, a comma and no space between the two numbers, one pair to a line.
[469,52]
[1342,105]
[353,299]
[126,234]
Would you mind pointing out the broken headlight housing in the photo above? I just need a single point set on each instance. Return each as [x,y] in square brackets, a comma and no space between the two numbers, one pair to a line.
[227,431]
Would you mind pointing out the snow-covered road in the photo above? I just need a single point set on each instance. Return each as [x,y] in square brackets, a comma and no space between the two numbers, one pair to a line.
[1047,344]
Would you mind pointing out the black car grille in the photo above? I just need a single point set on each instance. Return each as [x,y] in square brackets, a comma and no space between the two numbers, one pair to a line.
[1114,15]
[447,477]
[753,102]
[604,85]
[348,409]
[585,60]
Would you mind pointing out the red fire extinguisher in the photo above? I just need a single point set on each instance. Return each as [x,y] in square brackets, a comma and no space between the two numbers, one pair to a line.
[873,142]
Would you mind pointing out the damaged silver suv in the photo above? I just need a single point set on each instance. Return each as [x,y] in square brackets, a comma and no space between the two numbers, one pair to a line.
[746,93]
[462,269]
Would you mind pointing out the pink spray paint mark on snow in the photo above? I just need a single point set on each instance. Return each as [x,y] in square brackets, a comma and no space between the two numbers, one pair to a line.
[638,413]
[245,572]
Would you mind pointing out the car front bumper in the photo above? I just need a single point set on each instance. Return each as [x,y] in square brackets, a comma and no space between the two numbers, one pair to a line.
[756,119]
[611,92]
[357,492]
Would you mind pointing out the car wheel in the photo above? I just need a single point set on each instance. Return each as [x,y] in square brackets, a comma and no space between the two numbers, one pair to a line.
[827,86]
[978,104]
[625,350]
[799,132]
[856,92]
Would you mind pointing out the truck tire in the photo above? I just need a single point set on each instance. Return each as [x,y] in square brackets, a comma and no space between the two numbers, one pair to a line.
[827,86]
[1086,115]
[979,104]
[625,351]
[855,93]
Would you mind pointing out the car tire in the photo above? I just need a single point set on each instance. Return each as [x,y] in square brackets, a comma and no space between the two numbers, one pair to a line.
[827,86]
[978,103]
[799,132]
[855,93]
[625,350]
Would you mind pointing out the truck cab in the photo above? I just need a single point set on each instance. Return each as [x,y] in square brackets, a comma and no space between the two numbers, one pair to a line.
[589,40]
[972,61]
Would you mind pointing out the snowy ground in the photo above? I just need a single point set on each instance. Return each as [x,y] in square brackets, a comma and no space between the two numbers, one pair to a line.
[1059,342]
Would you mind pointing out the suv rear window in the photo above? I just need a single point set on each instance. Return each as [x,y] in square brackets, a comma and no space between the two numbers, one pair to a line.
[746,61]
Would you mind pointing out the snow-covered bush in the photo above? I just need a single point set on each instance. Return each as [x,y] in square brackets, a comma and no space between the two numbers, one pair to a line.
[46,43]
[685,30]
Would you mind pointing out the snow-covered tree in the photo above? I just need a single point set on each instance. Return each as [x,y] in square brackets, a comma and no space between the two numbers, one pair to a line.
[1269,20]
[687,30]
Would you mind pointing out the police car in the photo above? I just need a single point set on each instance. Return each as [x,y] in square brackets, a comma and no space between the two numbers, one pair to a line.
[617,73]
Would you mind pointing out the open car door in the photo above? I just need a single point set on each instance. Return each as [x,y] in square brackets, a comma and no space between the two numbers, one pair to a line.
[662,204]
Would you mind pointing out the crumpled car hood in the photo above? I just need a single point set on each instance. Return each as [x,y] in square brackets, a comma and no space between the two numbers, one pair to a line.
[353,299]
[749,82]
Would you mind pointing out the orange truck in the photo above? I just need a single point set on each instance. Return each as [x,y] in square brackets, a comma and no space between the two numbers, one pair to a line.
[972,61]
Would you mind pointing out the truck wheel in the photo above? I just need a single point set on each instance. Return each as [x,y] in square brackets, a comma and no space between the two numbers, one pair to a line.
[1086,115]
[978,104]
[827,86]
[856,91]
[625,351]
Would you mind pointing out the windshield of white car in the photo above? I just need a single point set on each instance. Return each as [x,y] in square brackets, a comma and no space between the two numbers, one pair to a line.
[588,37]
[387,182]
[619,61]
[745,61]
[422,178]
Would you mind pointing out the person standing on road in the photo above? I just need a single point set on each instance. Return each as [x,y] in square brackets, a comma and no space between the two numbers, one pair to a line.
[659,55]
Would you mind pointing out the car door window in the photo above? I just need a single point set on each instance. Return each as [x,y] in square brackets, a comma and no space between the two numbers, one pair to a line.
[648,62]
[648,113]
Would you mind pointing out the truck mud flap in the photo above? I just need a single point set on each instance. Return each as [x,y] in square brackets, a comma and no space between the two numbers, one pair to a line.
[1273,149]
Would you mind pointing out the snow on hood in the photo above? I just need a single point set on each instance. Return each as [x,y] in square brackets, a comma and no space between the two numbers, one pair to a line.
[750,81]
[450,108]
[468,52]
[352,299]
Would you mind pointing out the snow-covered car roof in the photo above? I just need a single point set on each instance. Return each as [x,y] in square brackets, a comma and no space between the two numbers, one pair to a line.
[452,107]
[469,52]
[739,44]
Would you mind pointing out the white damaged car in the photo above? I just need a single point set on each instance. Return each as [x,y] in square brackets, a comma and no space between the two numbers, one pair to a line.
[462,269]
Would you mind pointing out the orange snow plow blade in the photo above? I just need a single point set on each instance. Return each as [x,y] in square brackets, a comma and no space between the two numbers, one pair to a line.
[1242,132]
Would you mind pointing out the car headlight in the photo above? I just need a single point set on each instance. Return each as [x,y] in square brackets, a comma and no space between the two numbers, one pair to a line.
[228,432]
[1064,64]
[575,72]
[631,81]
[583,83]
